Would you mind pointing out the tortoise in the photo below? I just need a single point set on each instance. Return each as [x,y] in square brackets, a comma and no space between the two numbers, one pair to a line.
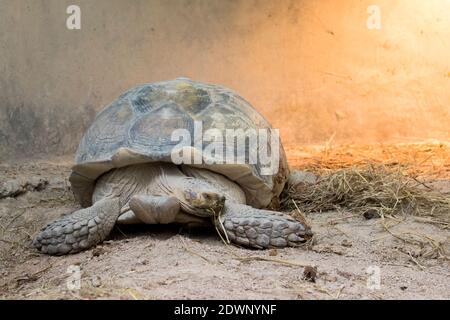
[125,172]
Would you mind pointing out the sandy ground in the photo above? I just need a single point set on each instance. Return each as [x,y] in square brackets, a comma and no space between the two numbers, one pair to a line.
[163,262]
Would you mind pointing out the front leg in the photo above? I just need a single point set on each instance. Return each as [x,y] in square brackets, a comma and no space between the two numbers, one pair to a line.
[247,226]
[155,209]
[162,210]
[79,230]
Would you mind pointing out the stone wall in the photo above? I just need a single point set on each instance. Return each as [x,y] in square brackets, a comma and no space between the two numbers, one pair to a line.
[313,68]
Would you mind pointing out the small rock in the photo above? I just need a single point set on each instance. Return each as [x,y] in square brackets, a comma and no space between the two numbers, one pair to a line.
[346,275]
[371,214]
[16,187]
[346,243]
[98,251]
[328,248]
[273,252]
[11,188]
[36,184]
[96,282]
[403,288]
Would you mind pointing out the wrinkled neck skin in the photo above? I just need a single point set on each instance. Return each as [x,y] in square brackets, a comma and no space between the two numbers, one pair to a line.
[164,179]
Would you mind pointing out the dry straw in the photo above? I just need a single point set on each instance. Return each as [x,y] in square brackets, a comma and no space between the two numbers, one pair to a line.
[372,190]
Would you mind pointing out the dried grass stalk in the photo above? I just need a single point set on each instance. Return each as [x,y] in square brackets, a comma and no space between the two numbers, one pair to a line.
[372,190]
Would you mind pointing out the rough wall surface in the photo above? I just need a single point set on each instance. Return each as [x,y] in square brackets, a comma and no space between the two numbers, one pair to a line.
[313,68]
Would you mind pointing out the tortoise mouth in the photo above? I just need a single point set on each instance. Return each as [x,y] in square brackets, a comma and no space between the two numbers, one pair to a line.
[204,203]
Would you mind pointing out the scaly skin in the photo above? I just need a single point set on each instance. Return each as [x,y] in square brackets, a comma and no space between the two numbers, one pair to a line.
[79,230]
[250,227]
[161,193]
[155,209]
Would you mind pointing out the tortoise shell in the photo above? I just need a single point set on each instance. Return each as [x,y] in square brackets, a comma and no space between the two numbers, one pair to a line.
[138,126]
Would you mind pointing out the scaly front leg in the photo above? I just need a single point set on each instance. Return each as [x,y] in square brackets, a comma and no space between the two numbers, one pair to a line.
[79,230]
[250,227]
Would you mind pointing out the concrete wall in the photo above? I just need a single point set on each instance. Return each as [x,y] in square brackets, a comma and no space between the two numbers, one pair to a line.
[313,68]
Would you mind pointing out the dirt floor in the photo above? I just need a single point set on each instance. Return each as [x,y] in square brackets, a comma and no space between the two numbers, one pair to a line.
[350,257]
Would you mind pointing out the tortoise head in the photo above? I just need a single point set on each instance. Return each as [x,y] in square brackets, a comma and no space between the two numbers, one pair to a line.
[203,203]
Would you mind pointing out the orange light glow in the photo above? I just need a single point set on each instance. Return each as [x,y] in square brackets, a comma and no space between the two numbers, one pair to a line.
[319,72]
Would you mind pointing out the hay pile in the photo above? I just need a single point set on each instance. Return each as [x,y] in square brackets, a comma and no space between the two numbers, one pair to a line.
[373,190]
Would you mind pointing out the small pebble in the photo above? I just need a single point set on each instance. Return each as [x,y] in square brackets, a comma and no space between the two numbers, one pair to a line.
[96,282]
[346,243]
[98,251]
